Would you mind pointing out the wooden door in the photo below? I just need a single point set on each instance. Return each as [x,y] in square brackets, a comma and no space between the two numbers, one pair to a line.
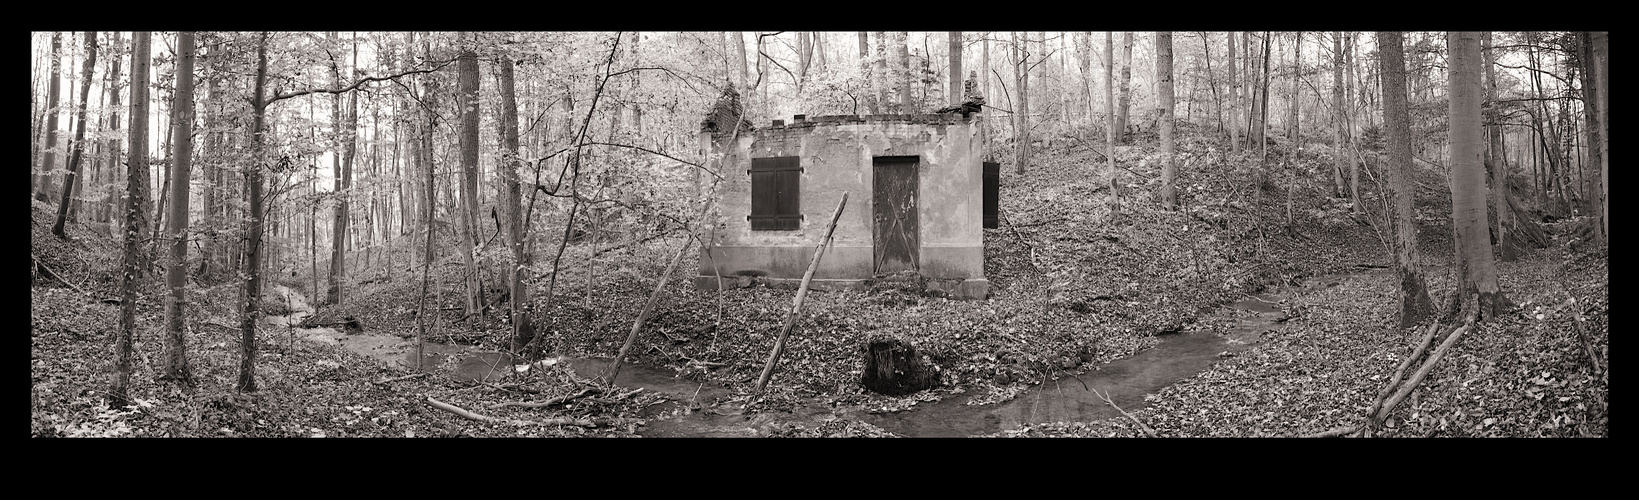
[894,228]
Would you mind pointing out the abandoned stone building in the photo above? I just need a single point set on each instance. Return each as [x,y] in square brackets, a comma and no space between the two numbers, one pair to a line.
[919,191]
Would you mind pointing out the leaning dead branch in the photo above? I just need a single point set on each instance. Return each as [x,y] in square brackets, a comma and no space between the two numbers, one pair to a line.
[802,293]
[648,308]
[1396,390]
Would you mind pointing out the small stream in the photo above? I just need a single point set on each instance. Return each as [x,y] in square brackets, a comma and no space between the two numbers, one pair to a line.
[691,413]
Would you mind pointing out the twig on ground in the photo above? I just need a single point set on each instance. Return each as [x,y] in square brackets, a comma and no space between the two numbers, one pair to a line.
[1106,397]
[397,379]
[57,276]
[625,395]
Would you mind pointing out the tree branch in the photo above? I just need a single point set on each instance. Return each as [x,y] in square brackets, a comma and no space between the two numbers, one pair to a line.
[286,95]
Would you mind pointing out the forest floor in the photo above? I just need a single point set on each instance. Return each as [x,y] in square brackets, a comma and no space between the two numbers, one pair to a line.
[1075,286]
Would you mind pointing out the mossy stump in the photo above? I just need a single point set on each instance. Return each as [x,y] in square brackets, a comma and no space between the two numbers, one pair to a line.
[893,367]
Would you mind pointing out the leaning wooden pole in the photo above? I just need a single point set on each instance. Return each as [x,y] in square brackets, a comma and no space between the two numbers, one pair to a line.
[643,317]
[802,292]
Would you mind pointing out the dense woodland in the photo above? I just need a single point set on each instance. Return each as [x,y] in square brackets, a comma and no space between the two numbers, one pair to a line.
[1432,205]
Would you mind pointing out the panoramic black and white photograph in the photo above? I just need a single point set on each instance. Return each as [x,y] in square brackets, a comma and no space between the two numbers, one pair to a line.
[807,234]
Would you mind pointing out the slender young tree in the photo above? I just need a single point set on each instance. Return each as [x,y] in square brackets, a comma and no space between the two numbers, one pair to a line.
[1109,116]
[904,77]
[1338,160]
[955,96]
[1121,121]
[1496,158]
[1292,108]
[1415,305]
[176,274]
[1601,58]
[79,135]
[1476,271]
[1234,99]
[1021,127]
[111,196]
[346,122]
[1163,79]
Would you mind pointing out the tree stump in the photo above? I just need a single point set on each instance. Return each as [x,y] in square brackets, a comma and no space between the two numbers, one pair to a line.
[893,367]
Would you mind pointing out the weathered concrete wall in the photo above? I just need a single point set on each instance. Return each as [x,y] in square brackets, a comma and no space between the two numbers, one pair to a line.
[836,156]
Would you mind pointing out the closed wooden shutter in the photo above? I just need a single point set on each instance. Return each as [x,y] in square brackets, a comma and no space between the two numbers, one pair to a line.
[992,189]
[776,197]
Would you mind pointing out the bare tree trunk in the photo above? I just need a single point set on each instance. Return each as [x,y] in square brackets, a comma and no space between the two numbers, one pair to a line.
[904,76]
[176,276]
[1121,121]
[1109,119]
[252,269]
[1348,120]
[1021,123]
[1594,130]
[467,69]
[1163,78]
[342,166]
[135,177]
[1415,305]
[1477,273]
[523,332]
[955,97]
[1338,159]
[111,199]
[1601,57]
[1293,128]
[865,71]
[79,135]
[1497,158]
[42,183]
[1234,99]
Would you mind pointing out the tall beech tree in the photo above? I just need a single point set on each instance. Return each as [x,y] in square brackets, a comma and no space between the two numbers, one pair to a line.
[1476,271]
[467,99]
[136,175]
[176,273]
[252,270]
[1415,305]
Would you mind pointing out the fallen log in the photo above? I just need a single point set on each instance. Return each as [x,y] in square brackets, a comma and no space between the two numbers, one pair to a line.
[578,422]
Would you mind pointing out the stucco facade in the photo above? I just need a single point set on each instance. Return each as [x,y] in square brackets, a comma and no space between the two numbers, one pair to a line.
[840,154]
